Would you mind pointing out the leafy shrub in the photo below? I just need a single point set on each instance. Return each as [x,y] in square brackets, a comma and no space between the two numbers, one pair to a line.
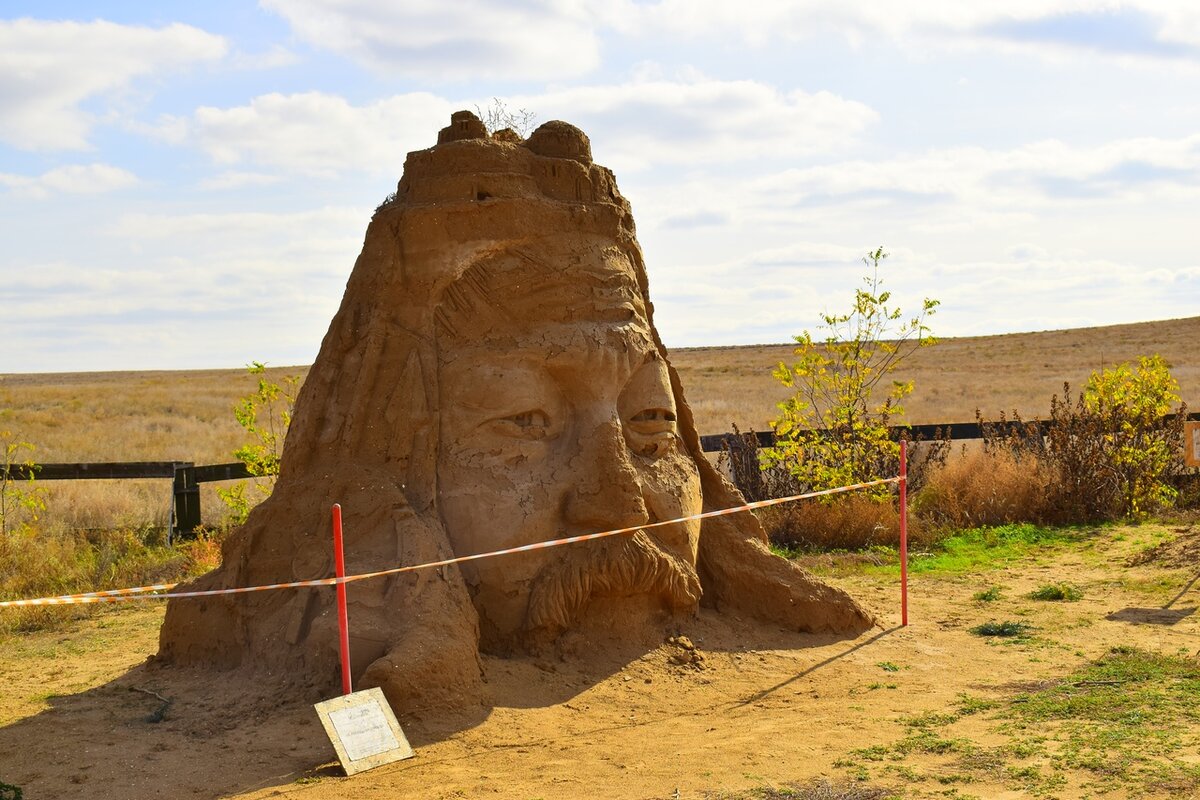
[1142,447]
[21,501]
[833,430]
[1110,452]
[265,414]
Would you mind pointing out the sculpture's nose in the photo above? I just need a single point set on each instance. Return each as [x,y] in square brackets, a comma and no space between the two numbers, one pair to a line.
[606,492]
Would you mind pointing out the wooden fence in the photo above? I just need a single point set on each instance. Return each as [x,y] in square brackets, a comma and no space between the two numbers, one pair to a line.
[186,477]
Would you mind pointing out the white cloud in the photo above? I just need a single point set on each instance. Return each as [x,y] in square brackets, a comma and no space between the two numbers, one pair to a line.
[697,121]
[47,69]
[71,179]
[789,287]
[693,121]
[315,133]
[450,41]
[233,179]
[1152,29]
[257,232]
[556,39]
[1038,174]
[274,57]
[167,291]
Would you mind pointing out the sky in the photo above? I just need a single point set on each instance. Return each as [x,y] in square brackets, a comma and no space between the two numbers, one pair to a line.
[187,185]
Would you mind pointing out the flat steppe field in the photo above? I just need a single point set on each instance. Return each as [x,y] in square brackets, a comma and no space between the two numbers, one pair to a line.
[187,415]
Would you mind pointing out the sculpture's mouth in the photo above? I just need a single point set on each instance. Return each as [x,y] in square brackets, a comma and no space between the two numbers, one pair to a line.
[621,566]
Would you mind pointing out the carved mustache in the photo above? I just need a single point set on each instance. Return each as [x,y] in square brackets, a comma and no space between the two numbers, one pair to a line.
[618,567]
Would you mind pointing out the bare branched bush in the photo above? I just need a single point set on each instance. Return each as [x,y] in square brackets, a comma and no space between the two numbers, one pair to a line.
[740,459]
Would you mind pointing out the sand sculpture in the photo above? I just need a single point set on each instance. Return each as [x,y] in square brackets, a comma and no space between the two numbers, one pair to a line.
[492,378]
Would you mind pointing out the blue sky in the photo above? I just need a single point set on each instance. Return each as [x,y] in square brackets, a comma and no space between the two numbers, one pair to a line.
[187,185]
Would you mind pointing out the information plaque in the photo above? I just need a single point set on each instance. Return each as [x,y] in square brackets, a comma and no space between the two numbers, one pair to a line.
[363,730]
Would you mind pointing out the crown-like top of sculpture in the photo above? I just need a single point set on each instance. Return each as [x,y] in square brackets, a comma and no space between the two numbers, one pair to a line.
[469,165]
[555,139]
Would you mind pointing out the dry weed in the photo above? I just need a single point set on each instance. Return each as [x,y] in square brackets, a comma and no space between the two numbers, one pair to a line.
[979,488]
[847,522]
[45,565]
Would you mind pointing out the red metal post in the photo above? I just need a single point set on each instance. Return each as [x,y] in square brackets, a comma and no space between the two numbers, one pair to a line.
[904,532]
[339,569]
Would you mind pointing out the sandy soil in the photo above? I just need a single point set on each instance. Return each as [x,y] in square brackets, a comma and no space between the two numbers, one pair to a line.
[766,708]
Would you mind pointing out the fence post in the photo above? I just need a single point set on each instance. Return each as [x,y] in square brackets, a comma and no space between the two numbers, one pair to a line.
[186,506]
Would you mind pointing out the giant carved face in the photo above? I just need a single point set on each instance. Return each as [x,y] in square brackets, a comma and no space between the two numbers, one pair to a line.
[558,418]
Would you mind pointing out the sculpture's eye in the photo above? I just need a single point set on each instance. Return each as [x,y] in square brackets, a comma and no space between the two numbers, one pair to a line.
[651,432]
[526,425]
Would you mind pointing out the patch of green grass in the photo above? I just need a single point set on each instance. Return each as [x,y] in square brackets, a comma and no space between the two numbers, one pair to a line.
[988,595]
[1007,628]
[968,704]
[787,551]
[930,719]
[888,666]
[979,549]
[993,547]
[1056,591]
[1162,586]
[1124,719]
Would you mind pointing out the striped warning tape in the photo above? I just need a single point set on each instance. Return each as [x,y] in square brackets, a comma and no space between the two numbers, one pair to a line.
[161,590]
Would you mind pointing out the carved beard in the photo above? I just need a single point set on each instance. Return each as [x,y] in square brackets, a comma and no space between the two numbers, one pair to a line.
[618,567]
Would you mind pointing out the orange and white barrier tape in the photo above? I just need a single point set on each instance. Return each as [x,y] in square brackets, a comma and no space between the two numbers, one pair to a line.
[160,591]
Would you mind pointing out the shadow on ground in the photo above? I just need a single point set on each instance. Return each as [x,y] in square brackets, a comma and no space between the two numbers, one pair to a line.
[178,733]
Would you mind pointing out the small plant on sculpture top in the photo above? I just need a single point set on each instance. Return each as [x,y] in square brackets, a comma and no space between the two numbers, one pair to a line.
[833,430]
[498,116]
[266,415]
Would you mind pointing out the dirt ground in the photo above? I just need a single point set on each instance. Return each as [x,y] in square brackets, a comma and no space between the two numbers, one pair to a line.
[763,708]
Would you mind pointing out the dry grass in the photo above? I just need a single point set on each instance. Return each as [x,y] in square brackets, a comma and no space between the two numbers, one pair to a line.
[977,488]
[129,416]
[44,565]
[849,522]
